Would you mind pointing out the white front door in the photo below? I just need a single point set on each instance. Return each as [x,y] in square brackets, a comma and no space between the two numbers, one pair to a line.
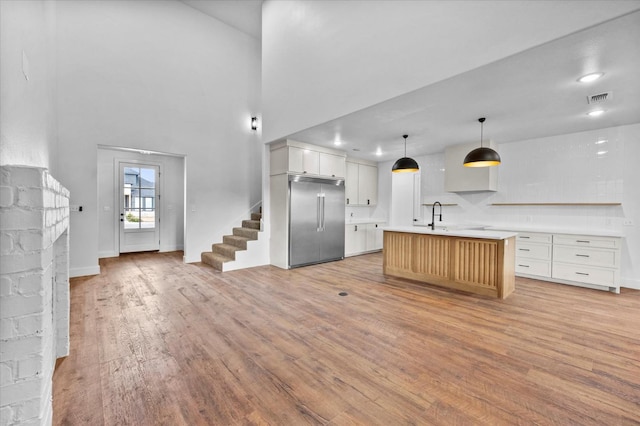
[139,199]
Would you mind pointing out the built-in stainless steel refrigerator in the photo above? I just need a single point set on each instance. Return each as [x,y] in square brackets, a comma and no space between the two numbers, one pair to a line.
[316,220]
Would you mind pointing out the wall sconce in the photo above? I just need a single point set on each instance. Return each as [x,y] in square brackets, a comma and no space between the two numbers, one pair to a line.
[254,123]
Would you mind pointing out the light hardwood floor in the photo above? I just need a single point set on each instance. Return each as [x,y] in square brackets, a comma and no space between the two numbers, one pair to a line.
[155,341]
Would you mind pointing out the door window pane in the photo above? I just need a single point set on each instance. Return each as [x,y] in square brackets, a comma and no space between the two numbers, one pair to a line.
[139,198]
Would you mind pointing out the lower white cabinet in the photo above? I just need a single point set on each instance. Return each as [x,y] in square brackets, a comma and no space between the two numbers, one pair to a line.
[533,254]
[362,238]
[587,259]
[584,260]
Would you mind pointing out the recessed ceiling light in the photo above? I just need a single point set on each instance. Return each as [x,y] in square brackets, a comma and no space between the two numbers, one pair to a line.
[337,142]
[595,113]
[602,152]
[590,77]
[379,152]
[601,141]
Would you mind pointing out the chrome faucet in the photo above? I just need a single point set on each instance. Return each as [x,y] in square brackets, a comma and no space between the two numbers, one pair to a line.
[433,215]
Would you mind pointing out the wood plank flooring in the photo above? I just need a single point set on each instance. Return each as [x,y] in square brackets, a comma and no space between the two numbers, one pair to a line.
[155,341]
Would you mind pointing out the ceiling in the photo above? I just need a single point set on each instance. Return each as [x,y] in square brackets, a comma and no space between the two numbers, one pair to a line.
[529,95]
[243,15]
[532,94]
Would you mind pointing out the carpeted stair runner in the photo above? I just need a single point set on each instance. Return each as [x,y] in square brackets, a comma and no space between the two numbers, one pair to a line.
[226,251]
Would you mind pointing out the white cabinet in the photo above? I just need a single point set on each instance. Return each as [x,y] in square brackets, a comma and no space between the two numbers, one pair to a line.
[300,158]
[332,165]
[361,183]
[355,239]
[363,238]
[367,185]
[374,236]
[587,259]
[458,178]
[584,260]
[533,254]
[304,161]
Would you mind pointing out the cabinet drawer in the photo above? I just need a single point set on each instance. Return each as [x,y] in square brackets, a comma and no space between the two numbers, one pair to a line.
[533,251]
[533,237]
[533,267]
[584,274]
[586,256]
[587,241]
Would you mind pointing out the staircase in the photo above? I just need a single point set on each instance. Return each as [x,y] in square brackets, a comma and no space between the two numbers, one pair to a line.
[223,256]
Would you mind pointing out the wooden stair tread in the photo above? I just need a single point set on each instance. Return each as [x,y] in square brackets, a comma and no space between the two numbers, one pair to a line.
[226,251]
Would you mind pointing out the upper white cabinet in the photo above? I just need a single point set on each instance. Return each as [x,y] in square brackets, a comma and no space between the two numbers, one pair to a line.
[332,165]
[361,183]
[304,161]
[458,178]
[300,158]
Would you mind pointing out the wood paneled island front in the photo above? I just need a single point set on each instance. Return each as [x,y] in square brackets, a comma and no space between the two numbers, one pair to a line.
[477,261]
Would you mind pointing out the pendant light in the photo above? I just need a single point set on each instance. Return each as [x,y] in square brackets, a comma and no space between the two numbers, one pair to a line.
[482,157]
[405,164]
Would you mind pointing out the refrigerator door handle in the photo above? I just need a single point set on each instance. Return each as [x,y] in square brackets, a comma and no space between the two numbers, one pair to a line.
[318,229]
[322,224]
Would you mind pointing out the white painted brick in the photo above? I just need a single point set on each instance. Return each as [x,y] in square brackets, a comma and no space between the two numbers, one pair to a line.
[30,367]
[29,412]
[30,197]
[26,176]
[12,263]
[13,306]
[20,391]
[29,325]
[6,196]
[6,243]
[6,374]
[6,286]
[30,284]
[15,348]
[7,328]
[21,219]
[31,240]
[6,416]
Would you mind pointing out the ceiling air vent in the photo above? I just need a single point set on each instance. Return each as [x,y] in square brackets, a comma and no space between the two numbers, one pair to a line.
[599,98]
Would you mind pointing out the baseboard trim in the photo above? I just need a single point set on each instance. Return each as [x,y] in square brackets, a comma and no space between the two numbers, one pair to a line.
[629,283]
[104,254]
[82,272]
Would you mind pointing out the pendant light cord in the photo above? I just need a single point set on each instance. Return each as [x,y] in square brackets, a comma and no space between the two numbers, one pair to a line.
[405,144]
[481,120]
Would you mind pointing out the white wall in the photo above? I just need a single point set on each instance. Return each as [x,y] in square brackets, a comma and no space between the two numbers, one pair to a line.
[161,76]
[171,205]
[27,84]
[325,59]
[563,168]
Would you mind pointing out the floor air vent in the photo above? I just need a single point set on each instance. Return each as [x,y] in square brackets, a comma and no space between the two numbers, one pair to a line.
[599,98]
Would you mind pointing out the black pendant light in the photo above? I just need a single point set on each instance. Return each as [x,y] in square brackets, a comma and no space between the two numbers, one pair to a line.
[405,164]
[482,157]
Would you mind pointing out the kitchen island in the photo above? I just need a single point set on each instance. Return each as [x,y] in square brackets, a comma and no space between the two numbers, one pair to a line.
[477,261]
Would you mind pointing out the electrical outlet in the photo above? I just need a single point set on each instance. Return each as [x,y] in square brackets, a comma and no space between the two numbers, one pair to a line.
[627,222]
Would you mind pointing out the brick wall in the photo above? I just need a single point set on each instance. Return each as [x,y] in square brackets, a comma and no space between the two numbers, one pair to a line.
[34,291]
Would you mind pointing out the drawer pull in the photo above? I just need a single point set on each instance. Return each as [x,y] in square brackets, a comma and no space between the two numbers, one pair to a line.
[524,266]
[523,237]
[581,273]
[524,249]
[583,241]
[582,255]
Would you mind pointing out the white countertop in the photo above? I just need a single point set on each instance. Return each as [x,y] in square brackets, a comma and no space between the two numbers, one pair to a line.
[467,233]
[557,230]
